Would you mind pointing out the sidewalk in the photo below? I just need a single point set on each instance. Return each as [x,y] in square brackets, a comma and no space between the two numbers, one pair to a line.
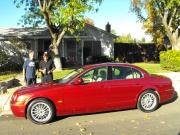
[5,98]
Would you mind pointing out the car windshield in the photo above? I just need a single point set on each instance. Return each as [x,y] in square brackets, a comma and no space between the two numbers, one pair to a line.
[71,75]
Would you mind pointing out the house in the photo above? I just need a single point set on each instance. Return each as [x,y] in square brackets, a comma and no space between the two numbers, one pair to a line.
[93,42]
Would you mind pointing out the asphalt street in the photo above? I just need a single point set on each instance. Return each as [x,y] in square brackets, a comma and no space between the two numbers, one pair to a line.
[164,121]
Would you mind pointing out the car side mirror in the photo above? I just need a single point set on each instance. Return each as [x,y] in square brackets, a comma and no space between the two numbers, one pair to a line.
[78,81]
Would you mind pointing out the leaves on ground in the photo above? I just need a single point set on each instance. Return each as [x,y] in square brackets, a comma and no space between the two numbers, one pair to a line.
[56,132]
[69,129]
[91,121]
[146,117]
[132,121]
[22,128]
[162,122]
[82,129]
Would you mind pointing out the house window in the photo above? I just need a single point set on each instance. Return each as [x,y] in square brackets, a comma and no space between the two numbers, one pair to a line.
[46,44]
[28,45]
[92,48]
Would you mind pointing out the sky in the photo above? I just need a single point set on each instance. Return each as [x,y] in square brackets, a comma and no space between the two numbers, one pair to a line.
[116,12]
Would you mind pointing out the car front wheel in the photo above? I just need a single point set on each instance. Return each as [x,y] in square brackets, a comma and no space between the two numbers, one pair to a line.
[148,101]
[40,111]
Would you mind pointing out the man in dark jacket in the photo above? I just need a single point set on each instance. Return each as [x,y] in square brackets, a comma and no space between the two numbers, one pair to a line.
[46,67]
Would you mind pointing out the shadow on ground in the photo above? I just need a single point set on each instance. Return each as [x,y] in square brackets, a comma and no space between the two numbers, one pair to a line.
[16,83]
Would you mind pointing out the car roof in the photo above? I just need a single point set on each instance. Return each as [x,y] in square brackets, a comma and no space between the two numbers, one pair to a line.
[110,64]
[116,64]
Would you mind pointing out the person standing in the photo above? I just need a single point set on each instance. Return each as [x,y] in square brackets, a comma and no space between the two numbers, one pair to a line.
[46,67]
[30,69]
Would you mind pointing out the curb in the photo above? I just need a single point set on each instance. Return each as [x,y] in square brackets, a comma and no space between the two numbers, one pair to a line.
[6,110]
[5,101]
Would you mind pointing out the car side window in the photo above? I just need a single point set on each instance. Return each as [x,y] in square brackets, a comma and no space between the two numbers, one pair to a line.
[88,76]
[101,74]
[95,75]
[115,73]
[137,73]
[125,73]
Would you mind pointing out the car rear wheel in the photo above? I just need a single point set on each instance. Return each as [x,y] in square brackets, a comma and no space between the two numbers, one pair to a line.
[148,101]
[40,111]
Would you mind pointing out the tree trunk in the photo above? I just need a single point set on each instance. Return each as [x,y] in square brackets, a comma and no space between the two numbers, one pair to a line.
[55,55]
[175,40]
[177,47]
[171,33]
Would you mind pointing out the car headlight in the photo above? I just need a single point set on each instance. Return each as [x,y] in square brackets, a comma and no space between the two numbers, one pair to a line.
[20,100]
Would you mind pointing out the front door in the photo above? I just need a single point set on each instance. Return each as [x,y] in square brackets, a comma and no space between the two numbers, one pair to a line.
[71,52]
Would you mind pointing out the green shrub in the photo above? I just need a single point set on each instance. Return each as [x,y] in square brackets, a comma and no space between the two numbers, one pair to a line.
[11,66]
[170,60]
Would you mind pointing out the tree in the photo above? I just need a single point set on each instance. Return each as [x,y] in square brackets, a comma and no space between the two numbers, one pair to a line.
[89,21]
[18,46]
[59,16]
[143,40]
[113,32]
[162,19]
[125,38]
[12,52]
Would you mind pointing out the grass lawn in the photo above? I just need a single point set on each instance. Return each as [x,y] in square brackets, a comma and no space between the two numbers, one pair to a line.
[7,75]
[58,74]
[150,67]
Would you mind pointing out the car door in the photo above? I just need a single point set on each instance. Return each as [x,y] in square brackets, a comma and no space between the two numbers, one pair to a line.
[124,86]
[90,96]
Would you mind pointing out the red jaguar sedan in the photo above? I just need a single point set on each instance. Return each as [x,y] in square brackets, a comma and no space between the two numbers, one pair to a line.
[93,88]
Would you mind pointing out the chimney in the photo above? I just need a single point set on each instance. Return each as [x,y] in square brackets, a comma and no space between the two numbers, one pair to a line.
[108,27]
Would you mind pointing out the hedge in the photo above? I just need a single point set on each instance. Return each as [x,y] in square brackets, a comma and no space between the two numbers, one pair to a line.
[170,60]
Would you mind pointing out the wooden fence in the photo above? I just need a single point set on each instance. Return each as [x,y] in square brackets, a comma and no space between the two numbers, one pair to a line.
[133,52]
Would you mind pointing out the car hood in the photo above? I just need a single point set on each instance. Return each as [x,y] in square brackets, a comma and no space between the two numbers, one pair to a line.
[40,87]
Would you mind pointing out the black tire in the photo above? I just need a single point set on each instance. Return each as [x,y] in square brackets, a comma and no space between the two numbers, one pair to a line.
[148,101]
[40,111]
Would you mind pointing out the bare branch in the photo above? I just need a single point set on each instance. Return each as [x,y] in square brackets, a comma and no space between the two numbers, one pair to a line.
[40,5]
[44,6]
[60,37]
[161,7]
[173,16]
[49,4]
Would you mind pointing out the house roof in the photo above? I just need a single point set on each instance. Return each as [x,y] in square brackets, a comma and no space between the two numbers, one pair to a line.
[31,33]
[96,28]
[23,32]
